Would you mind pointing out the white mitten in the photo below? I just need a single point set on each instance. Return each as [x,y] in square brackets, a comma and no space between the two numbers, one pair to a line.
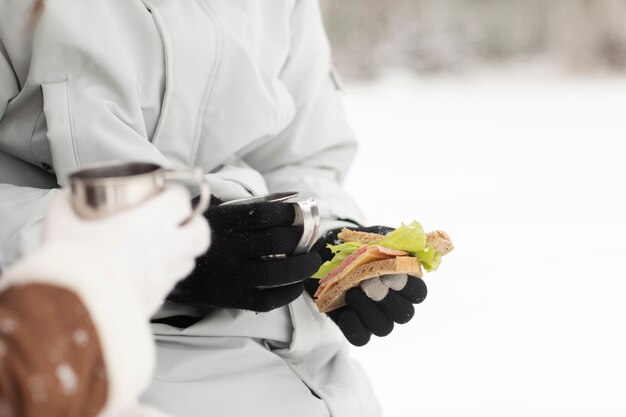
[145,246]
[122,267]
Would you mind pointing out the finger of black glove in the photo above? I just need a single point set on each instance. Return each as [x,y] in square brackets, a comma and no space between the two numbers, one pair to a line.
[381,230]
[310,286]
[396,307]
[369,312]
[270,298]
[257,243]
[250,216]
[214,201]
[415,290]
[278,272]
[320,246]
[351,326]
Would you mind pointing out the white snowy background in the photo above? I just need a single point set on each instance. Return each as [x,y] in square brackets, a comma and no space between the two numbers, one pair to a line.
[527,317]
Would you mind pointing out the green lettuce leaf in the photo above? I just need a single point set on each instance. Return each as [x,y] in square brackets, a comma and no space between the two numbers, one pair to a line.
[409,238]
[341,251]
[429,259]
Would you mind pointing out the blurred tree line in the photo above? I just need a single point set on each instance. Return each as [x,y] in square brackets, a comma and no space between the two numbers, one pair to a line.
[580,36]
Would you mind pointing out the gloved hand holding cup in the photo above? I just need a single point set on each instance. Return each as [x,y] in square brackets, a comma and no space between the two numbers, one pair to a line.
[259,257]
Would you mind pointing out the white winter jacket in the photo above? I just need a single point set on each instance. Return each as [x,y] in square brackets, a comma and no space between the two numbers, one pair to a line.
[241,88]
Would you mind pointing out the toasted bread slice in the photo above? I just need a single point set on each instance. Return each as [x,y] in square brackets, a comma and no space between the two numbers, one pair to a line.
[438,240]
[334,297]
[347,235]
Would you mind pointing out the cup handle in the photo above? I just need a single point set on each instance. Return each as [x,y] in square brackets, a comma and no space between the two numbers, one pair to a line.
[195,175]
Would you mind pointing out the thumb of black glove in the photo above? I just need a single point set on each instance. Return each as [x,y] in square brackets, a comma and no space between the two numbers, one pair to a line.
[378,303]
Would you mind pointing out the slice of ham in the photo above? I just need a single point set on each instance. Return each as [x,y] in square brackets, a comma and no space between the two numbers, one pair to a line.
[343,265]
[389,251]
[370,253]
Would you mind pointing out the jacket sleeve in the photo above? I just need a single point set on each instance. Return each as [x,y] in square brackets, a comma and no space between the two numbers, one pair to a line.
[31,74]
[21,208]
[65,350]
[313,154]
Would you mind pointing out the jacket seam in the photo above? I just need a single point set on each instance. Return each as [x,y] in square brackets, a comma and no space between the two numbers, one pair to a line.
[68,107]
[32,133]
[217,57]
[5,54]
[71,123]
[156,17]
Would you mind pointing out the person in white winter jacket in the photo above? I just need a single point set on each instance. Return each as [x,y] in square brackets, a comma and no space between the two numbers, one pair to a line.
[74,325]
[245,90]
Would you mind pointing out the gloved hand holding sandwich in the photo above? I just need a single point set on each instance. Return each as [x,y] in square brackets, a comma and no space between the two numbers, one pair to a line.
[372,276]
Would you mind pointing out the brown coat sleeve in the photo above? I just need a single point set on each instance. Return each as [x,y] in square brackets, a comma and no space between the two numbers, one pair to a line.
[51,362]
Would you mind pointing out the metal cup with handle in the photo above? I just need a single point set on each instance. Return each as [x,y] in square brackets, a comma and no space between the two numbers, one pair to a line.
[102,189]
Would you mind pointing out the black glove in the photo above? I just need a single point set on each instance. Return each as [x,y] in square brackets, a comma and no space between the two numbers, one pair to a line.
[233,275]
[375,305]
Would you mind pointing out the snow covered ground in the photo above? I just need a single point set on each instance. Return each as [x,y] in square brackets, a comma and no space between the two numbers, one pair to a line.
[527,317]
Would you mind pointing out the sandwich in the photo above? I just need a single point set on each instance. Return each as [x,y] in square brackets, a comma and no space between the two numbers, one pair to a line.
[359,256]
